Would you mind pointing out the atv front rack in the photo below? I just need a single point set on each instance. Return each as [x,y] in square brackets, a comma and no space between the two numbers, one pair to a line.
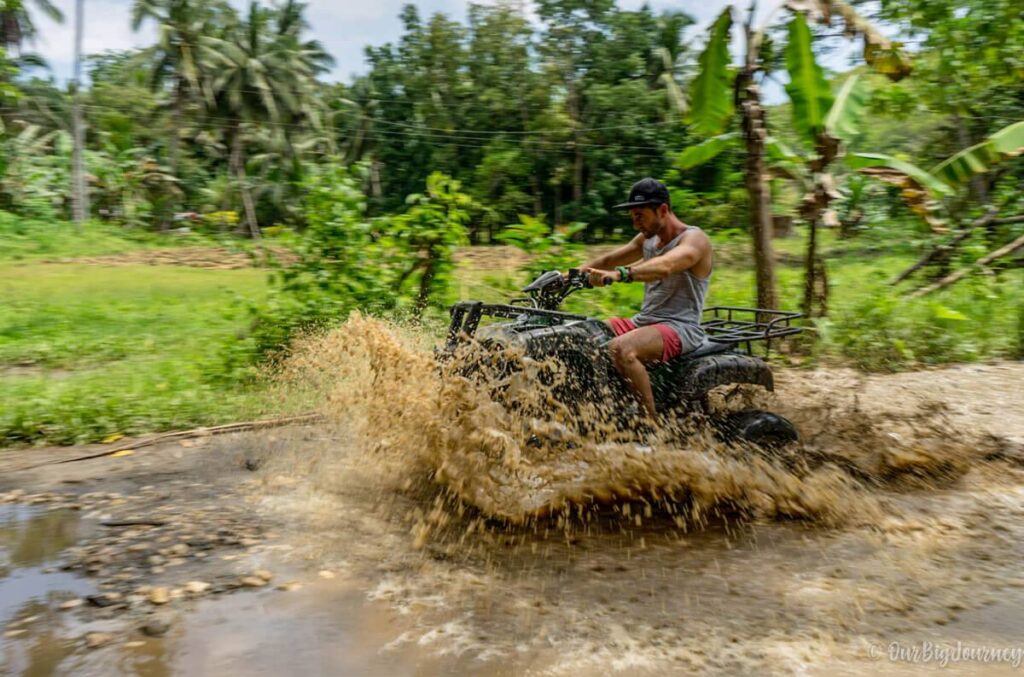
[466,317]
[743,326]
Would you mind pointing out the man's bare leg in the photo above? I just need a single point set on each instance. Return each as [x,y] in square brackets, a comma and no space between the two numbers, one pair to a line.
[630,352]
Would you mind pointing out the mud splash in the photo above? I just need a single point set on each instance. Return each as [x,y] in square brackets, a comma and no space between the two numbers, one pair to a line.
[412,420]
[664,558]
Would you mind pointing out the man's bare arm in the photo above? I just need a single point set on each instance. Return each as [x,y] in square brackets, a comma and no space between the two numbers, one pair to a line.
[688,253]
[623,256]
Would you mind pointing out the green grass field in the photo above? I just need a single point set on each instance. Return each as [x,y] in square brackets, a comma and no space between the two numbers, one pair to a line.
[88,351]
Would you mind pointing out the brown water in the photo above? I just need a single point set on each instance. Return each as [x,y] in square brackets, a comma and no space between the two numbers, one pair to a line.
[675,554]
[31,587]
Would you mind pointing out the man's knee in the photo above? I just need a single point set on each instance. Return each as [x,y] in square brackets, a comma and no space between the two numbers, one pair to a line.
[622,352]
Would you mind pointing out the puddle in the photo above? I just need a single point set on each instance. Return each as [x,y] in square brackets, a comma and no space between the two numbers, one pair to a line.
[32,587]
[325,627]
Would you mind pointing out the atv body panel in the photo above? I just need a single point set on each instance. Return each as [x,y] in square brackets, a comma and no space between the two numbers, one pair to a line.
[581,346]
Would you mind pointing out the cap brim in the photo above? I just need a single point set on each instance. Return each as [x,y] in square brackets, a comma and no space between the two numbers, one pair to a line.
[630,205]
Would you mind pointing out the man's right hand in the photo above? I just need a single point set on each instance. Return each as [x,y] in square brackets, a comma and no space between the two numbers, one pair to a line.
[599,278]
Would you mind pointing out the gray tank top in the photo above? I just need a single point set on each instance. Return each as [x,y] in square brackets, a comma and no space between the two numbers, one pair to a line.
[676,301]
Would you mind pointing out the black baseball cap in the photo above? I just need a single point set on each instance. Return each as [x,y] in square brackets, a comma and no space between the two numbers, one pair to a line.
[646,192]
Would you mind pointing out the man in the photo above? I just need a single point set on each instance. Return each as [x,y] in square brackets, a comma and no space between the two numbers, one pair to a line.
[674,261]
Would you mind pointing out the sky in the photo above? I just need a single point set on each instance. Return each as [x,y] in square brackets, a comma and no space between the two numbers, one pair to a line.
[344,27]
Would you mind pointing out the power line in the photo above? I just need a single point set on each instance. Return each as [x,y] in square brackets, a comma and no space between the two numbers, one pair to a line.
[463,138]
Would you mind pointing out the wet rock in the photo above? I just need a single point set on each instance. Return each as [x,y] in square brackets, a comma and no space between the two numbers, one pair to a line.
[156,571]
[95,640]
[289,586]
[178,549]
[156,626]
[327,574]
[133,644]
[155,560]
[24,621]
[71,604]
[139,547]
[104,600]
[264,574]
[196,587]
[159,595]
[253,581]
[175,562]
[10,634]
[249,542]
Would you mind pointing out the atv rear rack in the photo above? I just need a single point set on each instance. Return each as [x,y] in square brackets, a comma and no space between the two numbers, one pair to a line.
[743,326]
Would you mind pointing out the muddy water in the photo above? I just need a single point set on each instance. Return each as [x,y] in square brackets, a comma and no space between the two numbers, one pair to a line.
[673,555]
[31,587]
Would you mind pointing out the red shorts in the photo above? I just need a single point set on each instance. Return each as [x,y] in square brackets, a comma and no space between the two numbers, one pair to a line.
[672,344]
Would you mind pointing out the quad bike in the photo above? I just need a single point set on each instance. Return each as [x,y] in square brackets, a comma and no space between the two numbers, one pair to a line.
[539,332]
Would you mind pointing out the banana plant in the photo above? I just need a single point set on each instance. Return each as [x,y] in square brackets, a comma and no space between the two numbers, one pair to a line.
[922,189]
[719,89]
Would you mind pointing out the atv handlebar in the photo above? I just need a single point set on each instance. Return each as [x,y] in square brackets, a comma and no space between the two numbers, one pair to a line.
[552,287]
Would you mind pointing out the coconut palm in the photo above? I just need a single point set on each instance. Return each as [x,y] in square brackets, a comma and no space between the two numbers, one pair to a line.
[16,24]
[264,75]
[176,56]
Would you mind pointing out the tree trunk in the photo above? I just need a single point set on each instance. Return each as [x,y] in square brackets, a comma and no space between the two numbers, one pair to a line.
[176,115]
[760,206]
[538,202]
[238,169]
[577,164]
[375,187]
[963,135]
[811,269]
[426,281]
[754,133]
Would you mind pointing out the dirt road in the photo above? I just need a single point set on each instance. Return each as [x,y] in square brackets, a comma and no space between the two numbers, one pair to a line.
[291,551]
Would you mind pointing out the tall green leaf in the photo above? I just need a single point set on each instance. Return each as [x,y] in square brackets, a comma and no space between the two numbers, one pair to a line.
[711,100]
[927,181]
[784,161]
[843,120]
[807,87]
[1007,142]
[705,151]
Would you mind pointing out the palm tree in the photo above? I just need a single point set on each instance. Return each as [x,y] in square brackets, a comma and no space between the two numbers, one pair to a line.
[264,75]
[176,56]
[16,23]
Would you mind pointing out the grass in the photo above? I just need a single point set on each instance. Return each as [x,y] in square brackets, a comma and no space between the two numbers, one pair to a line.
[88,351]
[28,240]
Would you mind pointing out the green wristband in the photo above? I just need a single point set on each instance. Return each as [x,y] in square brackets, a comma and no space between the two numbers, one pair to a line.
[624,275]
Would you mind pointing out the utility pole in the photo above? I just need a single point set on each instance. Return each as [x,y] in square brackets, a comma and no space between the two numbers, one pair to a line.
[79,194]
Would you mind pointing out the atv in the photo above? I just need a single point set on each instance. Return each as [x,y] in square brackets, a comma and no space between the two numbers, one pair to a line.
[539,333]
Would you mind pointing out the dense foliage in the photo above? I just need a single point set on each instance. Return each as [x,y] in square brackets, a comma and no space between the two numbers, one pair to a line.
[523,129]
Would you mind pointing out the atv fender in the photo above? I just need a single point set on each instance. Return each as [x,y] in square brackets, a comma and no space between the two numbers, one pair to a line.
[690,380]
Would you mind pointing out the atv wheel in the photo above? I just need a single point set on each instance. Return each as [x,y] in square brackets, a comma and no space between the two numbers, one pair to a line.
[762,428]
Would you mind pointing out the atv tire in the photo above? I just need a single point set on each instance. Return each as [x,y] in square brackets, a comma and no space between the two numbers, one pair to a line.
[761,428]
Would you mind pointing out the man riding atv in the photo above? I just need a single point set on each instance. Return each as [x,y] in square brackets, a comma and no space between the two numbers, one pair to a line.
[675,268]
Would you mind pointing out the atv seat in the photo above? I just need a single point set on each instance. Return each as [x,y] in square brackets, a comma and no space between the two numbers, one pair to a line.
[708,347]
